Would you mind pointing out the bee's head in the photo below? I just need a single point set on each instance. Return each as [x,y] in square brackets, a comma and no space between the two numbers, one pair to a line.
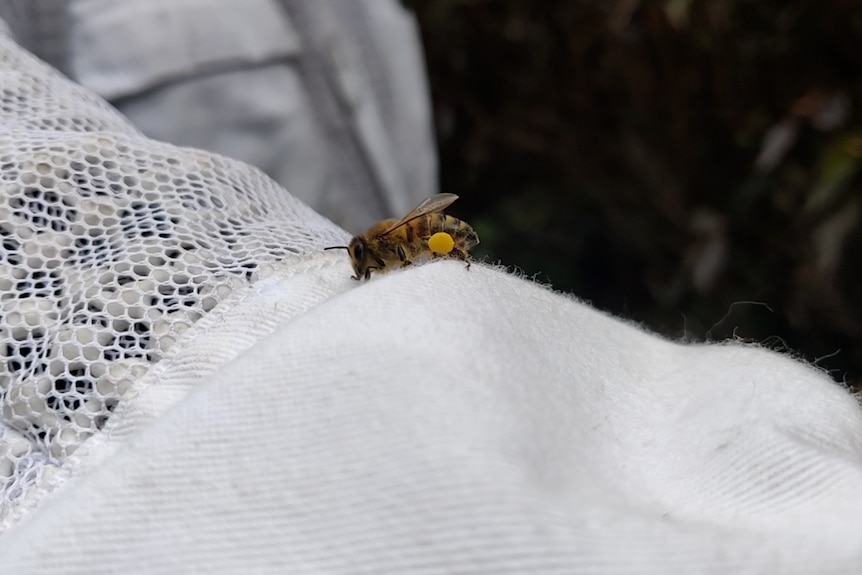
[359,257]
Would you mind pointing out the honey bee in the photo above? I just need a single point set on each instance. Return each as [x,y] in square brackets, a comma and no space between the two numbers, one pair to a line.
[424,231]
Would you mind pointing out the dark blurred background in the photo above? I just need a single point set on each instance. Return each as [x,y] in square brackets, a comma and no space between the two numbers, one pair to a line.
[690,165]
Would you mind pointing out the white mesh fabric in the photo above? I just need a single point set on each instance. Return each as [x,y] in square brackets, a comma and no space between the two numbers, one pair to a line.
[112,246]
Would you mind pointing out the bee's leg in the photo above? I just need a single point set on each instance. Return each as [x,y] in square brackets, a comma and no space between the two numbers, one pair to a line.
[402,255]
[460,255]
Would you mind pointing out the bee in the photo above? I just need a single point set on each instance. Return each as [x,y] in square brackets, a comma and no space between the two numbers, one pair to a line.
[424,231]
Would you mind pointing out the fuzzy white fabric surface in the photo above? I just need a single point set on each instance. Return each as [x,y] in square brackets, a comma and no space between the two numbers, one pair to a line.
[440,420]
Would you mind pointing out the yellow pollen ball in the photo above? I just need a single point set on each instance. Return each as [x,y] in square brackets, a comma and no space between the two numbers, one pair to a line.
[441,243]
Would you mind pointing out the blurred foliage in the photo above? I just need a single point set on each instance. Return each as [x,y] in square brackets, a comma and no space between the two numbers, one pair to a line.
[691,165]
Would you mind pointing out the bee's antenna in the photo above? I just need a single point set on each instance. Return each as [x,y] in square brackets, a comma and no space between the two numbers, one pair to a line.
[337,248]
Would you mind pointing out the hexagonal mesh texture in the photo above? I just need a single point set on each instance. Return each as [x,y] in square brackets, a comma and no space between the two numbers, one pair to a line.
[112,245]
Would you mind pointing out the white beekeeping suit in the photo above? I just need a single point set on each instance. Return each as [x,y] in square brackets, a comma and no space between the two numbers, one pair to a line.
[190,384]
[327,97]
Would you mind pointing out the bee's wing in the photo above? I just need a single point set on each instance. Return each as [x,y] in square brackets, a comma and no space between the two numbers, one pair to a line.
[433,204]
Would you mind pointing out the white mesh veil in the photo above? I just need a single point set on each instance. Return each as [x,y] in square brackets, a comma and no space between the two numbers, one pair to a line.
[112,245]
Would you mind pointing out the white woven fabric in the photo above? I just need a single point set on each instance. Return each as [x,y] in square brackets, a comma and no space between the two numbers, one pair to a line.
[433,420]
[327,97]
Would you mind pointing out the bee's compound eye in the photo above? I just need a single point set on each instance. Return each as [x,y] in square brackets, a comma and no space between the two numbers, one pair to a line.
[359,251]
[441,243]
